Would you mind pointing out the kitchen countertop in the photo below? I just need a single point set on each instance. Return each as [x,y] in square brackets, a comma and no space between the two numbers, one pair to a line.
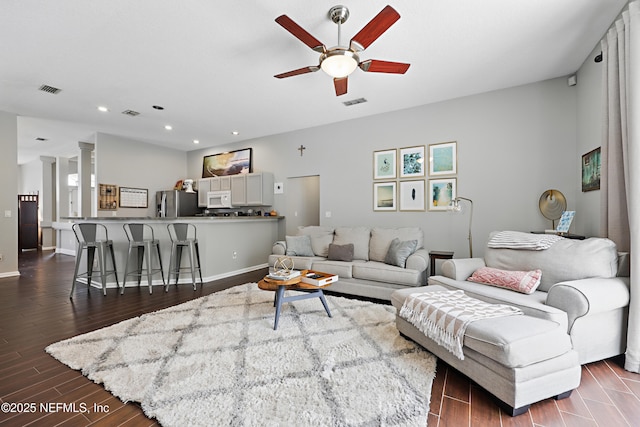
[182,218]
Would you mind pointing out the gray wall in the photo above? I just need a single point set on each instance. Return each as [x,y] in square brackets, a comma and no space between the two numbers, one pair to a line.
[8,195]
[512,145]
[589,137]
[128,163]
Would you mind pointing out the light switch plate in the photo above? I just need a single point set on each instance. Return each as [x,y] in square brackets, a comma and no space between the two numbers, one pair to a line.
[7,214]
[278,188]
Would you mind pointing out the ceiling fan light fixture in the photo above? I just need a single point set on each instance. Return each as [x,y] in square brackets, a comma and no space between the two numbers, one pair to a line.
[339,62]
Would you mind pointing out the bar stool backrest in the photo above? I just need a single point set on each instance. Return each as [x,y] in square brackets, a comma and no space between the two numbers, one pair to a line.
[89,233]
[138,232]
[181,232]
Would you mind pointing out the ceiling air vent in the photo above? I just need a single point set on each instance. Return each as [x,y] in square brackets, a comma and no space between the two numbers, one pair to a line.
[130,113]
[49,89]
[41,139]
[354,102]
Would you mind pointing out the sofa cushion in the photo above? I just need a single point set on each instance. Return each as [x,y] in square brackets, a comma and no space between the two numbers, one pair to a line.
[381,272]
[321,237]
[340,252]
[399,251]
[344,270]
[513,341]
[517,341]
[359,236]
[299,246]
[567,259]
[525,282]
[381,239]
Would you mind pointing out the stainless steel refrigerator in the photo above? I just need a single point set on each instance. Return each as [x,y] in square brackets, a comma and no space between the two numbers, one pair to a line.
[176,203]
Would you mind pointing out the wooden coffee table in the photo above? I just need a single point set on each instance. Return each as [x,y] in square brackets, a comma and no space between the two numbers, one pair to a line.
[295,284]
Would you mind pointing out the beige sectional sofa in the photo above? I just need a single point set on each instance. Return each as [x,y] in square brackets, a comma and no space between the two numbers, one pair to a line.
[367,268]
[584,287]
[577,314]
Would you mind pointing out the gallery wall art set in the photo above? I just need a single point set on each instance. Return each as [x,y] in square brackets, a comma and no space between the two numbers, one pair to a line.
[399,178]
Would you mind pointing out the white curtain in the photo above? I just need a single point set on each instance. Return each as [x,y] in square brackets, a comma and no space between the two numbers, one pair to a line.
[620,167]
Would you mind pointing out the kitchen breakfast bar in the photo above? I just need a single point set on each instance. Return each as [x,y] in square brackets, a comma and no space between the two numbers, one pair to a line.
[228,245]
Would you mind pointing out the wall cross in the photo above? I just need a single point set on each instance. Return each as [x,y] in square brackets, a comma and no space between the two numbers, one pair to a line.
[301,148]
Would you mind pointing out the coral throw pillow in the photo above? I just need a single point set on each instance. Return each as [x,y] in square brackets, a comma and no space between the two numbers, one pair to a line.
[525,282]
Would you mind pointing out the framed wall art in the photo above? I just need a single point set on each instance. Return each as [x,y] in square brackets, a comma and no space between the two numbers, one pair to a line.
[412,162]
[411,194]
[591,170]
[229,163]
[384,196]
[384,164]
[441,193]
[443,159]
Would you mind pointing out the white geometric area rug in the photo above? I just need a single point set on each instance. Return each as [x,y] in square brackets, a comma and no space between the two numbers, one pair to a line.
[216,360]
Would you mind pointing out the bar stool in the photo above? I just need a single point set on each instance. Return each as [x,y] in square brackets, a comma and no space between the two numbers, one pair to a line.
[142,238]
[183,235]
[92,236]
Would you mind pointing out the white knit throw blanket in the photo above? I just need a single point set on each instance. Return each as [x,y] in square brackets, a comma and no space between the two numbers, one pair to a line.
[444,316]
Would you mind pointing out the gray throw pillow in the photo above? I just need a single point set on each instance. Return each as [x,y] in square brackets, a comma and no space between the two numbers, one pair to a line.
[341,252]
[399,252]
[299,246]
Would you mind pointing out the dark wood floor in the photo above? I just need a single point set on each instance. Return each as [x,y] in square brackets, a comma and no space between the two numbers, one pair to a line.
[35,311]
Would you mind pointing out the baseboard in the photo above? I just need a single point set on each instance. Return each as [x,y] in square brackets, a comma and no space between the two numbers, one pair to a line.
[9,274]
[64,251]
[131,283]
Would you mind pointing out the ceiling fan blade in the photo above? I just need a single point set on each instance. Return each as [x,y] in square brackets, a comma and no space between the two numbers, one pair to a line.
[377,66]
[340,85]
[374,29]
[299,71]
[302,34]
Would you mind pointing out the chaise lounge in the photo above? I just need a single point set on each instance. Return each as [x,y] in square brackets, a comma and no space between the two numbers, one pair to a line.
[577,313]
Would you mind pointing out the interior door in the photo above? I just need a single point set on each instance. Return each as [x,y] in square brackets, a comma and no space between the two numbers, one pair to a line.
[303,202]
[28,230]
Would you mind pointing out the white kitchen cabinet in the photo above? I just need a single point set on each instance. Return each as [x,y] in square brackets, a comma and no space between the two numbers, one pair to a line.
[253,189]
[204,185]
[238,190]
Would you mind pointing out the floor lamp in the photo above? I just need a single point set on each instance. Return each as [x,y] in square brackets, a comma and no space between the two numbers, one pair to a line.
[457,207]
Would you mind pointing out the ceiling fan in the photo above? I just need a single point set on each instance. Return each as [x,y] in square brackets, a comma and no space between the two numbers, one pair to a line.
[340,61]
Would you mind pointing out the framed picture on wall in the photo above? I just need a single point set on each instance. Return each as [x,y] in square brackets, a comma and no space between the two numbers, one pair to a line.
[229,163]
[443,159]
[384,164]
[441,193]
[591,170]
[411,195]
[384,196]
[412,162]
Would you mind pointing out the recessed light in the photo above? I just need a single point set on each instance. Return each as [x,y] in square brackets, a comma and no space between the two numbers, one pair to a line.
[158,107]
[103,109]
[168,127]
[195,141]
[235,132]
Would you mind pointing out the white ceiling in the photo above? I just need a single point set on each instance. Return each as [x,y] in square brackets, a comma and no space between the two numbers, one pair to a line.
[210,64]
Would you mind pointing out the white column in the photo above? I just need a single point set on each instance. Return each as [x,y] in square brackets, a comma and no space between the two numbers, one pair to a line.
[84,178]
[47,202]
[62,187]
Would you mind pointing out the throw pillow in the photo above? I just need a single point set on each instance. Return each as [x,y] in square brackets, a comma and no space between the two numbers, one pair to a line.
[399,251]
[525,282]
[321,237]
[299,246]
[341,252]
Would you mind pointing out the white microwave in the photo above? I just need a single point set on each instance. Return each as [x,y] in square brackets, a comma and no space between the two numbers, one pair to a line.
[218,199]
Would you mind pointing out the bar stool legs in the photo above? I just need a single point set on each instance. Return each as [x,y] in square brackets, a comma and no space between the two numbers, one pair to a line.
[183,236]
[91,237]
[142,239]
